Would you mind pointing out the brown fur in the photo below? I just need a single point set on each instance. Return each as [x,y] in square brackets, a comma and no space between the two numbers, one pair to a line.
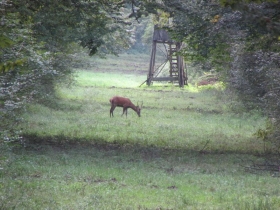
[125,103]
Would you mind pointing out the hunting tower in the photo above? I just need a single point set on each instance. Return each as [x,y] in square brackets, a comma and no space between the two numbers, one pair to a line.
[177,72]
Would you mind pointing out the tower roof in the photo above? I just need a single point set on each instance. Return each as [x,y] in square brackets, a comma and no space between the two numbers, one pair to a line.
[161,35]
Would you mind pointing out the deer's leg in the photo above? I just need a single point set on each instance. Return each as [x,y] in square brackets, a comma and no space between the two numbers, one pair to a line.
[111,110]
[124,110]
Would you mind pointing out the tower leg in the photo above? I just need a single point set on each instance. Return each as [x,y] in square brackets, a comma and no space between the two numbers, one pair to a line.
[152,64]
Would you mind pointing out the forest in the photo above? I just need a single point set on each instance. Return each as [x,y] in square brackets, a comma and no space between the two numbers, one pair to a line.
[207,145]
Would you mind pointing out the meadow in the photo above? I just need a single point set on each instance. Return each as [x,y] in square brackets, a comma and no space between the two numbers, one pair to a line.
[189,149]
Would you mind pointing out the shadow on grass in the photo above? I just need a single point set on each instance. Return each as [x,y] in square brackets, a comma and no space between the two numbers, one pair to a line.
[171,160]
[64,142]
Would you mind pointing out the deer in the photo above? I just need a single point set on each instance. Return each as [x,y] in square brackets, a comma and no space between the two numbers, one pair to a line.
[125,103]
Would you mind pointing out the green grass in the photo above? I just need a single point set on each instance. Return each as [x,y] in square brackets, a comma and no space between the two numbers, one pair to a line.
[99,79]
[191,120]
[187,151]
[132,177]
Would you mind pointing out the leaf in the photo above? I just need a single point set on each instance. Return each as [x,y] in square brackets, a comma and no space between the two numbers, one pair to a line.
[9,65]
[5,41]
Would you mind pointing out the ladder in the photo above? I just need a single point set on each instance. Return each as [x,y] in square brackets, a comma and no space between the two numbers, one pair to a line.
[173,60]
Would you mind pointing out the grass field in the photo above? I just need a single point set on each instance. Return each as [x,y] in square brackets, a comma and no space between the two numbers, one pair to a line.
[188,150]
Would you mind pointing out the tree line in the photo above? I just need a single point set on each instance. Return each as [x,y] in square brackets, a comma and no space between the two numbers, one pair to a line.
[238,40]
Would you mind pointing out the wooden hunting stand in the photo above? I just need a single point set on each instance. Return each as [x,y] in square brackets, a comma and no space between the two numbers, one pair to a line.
[177,68]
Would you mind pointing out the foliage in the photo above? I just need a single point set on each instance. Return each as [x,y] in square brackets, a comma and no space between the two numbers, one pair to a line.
[93,24]
[141,36]
[255,69]
[28,72]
